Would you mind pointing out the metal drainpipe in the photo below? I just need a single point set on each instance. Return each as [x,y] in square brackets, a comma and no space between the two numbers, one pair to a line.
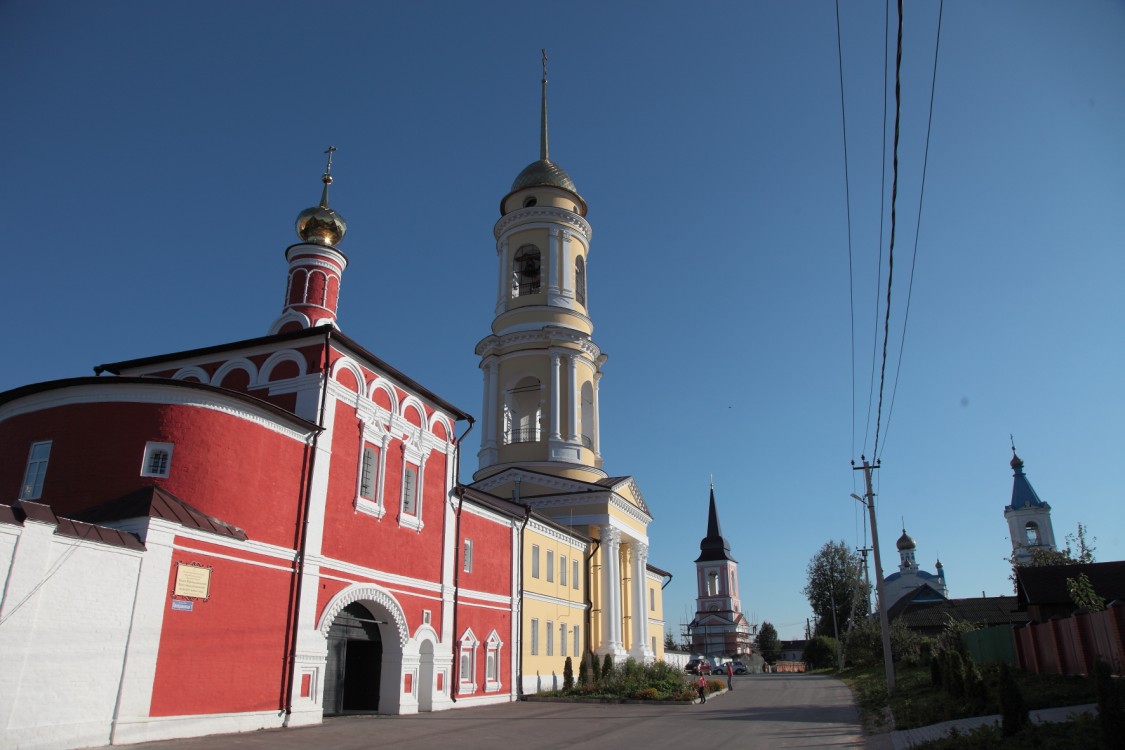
[302,545]
[519,602]
[459,490]
[589,600]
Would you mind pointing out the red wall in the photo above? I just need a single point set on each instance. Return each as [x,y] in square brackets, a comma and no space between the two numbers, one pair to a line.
[228,653]
[223,465]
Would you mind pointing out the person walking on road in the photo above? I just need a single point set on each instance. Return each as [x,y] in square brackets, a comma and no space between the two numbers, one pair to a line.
[730,676]
[701,686]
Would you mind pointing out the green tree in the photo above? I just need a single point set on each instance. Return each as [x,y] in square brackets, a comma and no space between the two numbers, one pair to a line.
[835,587]
[568,674]
[820,652]
[768,644]
[1078,550]
[669,642]
[1082,594]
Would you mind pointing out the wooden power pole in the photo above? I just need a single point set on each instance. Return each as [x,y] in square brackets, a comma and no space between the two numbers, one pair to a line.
[869,500]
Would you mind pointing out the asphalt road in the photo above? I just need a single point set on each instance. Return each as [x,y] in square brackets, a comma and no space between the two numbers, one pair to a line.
[763,711]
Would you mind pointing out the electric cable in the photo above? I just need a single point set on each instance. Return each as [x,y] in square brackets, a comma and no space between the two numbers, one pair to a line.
[918,223]
[891,247]
[848,210]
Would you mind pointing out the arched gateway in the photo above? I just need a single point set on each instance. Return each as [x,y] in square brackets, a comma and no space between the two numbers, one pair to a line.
[365,632]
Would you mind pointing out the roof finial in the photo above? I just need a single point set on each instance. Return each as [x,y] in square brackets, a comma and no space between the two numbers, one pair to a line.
[327,178]
[543,117]
[712,481]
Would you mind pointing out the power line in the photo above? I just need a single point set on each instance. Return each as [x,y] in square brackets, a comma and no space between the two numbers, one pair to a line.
[891,248]
[882,209]
[918,223]
[848,209]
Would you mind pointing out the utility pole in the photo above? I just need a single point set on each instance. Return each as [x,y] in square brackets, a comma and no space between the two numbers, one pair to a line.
[869,500]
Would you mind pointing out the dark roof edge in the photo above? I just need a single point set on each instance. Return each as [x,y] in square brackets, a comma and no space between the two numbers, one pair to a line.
[305,333]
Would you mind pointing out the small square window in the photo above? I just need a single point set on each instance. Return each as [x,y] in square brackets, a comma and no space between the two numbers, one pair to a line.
[37,458]
[157,460]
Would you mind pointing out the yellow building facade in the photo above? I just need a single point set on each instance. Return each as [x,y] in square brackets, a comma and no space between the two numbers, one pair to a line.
[540,443]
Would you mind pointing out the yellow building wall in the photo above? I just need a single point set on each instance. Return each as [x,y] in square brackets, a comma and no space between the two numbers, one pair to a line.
[550,605]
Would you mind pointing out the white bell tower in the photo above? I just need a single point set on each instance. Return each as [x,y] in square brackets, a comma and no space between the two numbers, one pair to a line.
[541,367]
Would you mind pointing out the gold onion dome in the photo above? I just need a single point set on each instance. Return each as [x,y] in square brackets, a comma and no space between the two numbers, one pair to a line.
[906,541]
[320,225]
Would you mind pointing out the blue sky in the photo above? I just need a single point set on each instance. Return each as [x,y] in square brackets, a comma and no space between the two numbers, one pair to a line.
[153,157]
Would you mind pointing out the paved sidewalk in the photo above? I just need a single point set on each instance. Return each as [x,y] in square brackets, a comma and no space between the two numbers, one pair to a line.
[906,738]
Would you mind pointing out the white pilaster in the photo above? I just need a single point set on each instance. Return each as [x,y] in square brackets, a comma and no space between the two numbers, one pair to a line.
[556,393]
[553,242]
[596,437]
[575,395]
[611,590]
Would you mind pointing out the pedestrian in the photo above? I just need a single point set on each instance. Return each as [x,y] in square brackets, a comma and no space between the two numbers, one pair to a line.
[701,686]
[730,676]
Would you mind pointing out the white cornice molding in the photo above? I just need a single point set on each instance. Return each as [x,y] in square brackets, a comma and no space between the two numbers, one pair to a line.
[310,249]
[543,480]
[550,335]
[556,534]
[360,571]
[580,605]
[543,215]
[157,393]
[586,498]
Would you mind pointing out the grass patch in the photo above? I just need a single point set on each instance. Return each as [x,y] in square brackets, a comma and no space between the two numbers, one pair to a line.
[1083,732]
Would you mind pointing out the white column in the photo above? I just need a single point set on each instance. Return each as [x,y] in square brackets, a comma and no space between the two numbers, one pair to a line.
[596,437]
[504,276]
[641,650]
[567,269]
[553,262]
[575,395]
[486,419]
[556,393]
[611,589]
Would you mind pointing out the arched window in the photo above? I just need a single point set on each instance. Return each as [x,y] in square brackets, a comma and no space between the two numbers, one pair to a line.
[712,583]
[580,280]
[523,412]
[586,416]
[526,271]
[1032,531]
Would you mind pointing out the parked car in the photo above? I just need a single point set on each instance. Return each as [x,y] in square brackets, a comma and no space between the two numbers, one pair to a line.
[697,666]
[740,668]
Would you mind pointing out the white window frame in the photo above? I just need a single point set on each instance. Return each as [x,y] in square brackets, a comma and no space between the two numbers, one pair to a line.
[651,599]
[562,639]
[492,648]
[550,638]
[550,566]
[577,640]
[467,657]
[534,636]
[36,471]
[152,451]
[562,570]
[376,441]
[411,518]
[574,574]
[535,561]
[467,556]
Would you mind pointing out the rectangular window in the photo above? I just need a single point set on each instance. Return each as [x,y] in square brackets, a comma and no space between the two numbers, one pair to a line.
[562,570]
[368,472]
[535,561]
[410,490]
[562,639]
[577,641]
[36,470]
[534,637]
[550,565]
[652,599]
[468,555]
[654,644]
[550,638]
[157,461]
[574,576]
[490,667]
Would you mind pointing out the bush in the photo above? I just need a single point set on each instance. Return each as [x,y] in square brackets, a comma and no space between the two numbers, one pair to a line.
[647,694]
[1111,711]
[820,652]
[607,667]
[1013,710]
[955,675]
[568,674]
[975,691]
